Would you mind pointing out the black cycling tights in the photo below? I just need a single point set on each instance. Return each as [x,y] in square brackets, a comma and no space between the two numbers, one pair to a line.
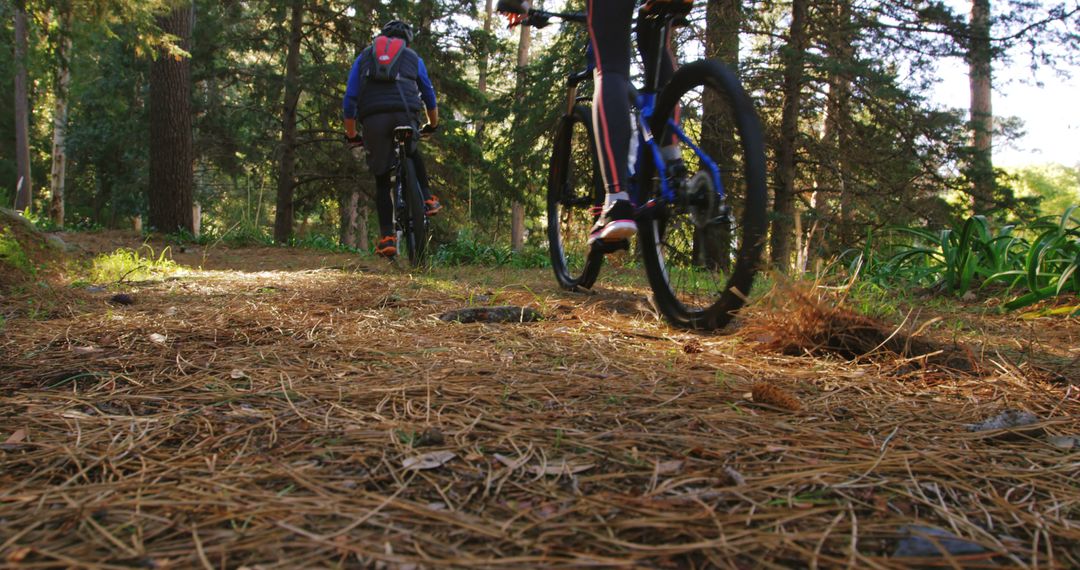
[609,31]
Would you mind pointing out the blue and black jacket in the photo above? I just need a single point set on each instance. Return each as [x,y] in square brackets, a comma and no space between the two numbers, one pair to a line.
[365,97]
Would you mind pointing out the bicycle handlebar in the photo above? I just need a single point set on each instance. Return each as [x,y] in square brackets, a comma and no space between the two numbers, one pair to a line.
[521,13]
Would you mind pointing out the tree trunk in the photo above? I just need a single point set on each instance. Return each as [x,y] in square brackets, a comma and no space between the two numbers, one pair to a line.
[485,64]
[171,154]
[363,242]
[723,19]
[833,171]
[982,115]
[283,216]
[24,183]
[350,217]
[784,202]
[60,116]
[517,209]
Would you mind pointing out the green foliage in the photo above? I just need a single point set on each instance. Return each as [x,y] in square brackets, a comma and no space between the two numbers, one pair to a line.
[12,254]
[468,250]
[1052,262]
[960,257]
[130,265]
[322,242]
[1041,257]
[1056,186]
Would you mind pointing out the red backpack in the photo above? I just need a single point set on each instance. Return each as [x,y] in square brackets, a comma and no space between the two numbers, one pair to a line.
[386,53]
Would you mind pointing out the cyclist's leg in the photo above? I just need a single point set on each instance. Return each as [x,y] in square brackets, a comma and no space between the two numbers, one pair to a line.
[609,34]
[647,35]
[379,142]
[431,201]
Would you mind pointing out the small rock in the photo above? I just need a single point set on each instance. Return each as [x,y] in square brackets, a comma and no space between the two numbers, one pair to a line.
[431,437]
[122,299]
[492,315]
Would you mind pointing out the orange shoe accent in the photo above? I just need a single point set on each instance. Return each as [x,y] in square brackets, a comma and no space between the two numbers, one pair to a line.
[387,247]
[432,206]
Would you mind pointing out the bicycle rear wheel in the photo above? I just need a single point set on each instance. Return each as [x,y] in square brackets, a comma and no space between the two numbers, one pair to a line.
[690,243]
[575,195]
[414,223]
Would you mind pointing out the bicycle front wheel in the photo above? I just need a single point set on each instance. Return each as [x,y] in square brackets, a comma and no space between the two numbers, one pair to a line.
[700,251]
[575,195]
[415,224]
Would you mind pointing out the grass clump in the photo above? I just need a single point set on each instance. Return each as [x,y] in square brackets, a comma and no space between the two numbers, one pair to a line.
[468,250]
[12,253]
[130,265]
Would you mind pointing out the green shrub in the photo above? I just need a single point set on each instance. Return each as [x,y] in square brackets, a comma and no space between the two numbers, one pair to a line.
[1041,258]
[128,265]
[467,250]
[11,252]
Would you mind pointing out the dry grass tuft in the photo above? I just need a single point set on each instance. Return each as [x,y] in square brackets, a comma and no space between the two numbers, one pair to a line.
[800,323]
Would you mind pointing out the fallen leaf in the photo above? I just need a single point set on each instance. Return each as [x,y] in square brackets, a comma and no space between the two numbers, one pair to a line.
[511,464]
[1013,421]
[1064,441]
[428,460]
[85,349]
[559,468]
[925,542]
[157,338]
[237,374]
[18,555]
[735,476]
[18,437]
[668,467]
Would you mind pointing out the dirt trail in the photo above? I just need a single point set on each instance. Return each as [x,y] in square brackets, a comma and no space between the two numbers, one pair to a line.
[289,408]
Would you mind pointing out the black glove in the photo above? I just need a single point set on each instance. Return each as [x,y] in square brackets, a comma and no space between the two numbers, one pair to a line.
[512,6]
[355,141]
[428,129]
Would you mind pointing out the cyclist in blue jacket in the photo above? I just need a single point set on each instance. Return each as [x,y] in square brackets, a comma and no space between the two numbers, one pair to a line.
[388,85]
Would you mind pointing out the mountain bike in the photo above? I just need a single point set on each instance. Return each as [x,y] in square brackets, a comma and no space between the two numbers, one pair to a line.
[411,223]
[700,232]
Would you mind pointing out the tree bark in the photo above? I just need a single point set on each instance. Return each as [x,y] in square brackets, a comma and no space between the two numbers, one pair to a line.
[171,153]
[784,202]
[24,182]
[517,209]
[982,115]
[723,19]
[60,116]
[283,216]
[485,64]
[832,179]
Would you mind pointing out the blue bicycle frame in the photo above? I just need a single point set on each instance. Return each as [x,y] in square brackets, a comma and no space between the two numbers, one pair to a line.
[646,104]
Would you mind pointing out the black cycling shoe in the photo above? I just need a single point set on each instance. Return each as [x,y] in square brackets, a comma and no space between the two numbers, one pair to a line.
[616,223]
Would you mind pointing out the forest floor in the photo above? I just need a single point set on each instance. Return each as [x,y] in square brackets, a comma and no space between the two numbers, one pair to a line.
[288,408]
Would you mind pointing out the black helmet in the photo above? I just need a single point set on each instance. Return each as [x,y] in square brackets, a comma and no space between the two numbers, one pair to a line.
[398,29]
